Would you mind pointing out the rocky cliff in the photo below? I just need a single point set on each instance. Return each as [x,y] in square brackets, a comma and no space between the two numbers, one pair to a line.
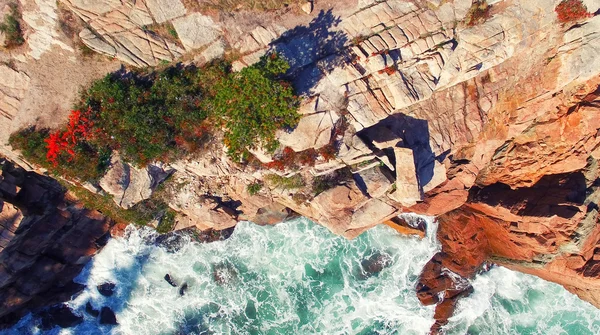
[483,114]
[45,242]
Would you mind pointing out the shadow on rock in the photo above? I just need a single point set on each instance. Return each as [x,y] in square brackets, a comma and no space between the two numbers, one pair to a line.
[312,51]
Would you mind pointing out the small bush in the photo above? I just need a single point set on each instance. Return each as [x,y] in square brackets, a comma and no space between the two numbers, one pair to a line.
[328,152]
[390,70]
[478,13]
[571,10]
[166,222]
[323,183]
[286,183]
[83,162]
[308,157]
[253,104]
[12,27]
[254,188]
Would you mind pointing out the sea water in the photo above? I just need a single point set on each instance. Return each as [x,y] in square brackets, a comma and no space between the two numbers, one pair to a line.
[298,278]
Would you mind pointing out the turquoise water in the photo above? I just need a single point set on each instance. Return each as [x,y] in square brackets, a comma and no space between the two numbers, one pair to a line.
[298,278]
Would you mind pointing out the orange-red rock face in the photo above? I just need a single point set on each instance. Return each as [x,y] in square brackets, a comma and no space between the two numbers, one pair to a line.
[532,207]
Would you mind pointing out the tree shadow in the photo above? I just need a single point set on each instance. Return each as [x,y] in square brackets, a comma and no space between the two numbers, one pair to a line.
[401,130]
[312,51]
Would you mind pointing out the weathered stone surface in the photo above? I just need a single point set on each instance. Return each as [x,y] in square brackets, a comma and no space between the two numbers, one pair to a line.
[313,131]
[336,206]
[439,176]
[374,182]
[407,187]
[97,7]
[118,30]
[127,184]
[47,250]
[307,7]
[43,20]
[165,10]
[201,211]
[196,31]
[13,87]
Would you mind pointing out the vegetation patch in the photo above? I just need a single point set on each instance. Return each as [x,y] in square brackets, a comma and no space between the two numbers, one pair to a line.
[11,27]
[164,115]
[253,104]
[478,13]
[286,183]
[254,188]
[571,10]
[164,30]
[153,209]
[321,184]
[260,5]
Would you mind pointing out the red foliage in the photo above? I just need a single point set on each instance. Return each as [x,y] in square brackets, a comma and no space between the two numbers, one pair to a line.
[390,70]
[308,157]
[571,10]
[59,142]
[276,164]
[328,152]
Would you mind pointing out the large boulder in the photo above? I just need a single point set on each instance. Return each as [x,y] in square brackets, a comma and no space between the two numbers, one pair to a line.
[165,10]
[61,316]
[196,31]
[374,181]
[129,184]
[407,186]
[313,131]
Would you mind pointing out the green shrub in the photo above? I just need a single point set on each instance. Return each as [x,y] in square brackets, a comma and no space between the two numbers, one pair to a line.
[30,142]
[286,183]
[253,104]
[11,27]
[87,164]
[254,188]
[165,114]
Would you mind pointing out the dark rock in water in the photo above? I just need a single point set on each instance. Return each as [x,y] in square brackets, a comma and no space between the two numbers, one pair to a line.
[106,289]
[103,240]
[107,316]
[223,273]
[175,240]
[170,280]
[183,288]
[60,315]
[375,263]
[90,310]
[212,235]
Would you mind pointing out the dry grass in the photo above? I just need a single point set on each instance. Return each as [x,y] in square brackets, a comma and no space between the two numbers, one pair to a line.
[478,13]
[235,5]
[164,30]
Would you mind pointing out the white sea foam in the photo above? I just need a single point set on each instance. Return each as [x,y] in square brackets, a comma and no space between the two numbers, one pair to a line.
[297,278]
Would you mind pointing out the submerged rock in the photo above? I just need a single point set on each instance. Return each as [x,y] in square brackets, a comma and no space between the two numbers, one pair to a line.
[170,280]
[183,289]
[60,315]
[375,263]
[224,273]
[107,316]
[106,289]
[91,310]
[175,240]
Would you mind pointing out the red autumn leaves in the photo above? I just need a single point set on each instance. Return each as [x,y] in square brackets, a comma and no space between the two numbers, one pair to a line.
[571,10]
[64,142]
